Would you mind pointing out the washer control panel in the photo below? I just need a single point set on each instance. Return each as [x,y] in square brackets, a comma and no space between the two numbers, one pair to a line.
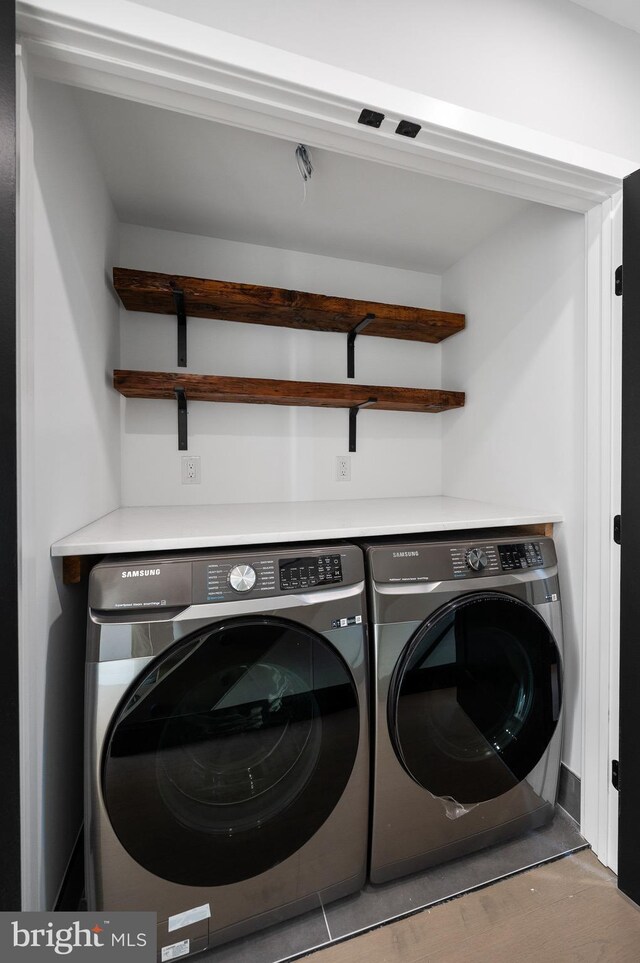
[474,560]
[477,559]
[520,555]
[297,573]
[242,578]
[251,575]
[226,580]
[175,580]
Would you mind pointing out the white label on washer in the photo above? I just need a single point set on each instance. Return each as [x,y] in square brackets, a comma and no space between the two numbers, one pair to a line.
[189,916]
[175,950]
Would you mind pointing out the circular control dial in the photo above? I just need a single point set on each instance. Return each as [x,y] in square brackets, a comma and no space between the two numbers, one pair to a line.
[242,578]
[476,559]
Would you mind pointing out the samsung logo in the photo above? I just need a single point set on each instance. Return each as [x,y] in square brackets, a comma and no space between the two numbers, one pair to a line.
[140,572]
[406,554]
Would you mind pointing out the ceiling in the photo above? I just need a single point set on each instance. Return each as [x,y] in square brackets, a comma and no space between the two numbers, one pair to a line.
[624,12]
[168,170]
[229,16]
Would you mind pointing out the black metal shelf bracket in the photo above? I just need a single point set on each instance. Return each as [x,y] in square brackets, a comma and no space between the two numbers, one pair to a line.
[181,398]
[351,340]
[181,314]
[353,415]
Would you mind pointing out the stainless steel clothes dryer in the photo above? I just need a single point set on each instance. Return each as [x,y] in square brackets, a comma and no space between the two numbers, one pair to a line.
[467,656]
[227,749]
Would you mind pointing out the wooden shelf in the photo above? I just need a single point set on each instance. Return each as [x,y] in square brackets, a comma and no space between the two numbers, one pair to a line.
[262,391]
[257,304]
[196,297]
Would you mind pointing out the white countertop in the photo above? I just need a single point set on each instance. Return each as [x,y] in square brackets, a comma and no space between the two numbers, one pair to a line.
[214,526]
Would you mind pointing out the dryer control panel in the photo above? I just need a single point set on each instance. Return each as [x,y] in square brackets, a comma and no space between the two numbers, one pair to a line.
[490,559]
[479,559]
[439,560]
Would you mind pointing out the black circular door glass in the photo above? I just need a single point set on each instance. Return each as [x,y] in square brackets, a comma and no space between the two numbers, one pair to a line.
[231,752]
[476,697]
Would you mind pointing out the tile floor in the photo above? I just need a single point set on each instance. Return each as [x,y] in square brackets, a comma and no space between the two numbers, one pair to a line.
[568,910]
[377,904]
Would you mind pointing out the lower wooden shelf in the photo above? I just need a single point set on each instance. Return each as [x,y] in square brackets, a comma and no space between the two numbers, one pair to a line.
[263,391]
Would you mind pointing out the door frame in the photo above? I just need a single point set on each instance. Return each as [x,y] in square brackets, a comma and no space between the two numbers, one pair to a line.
[140,54]
[601,562]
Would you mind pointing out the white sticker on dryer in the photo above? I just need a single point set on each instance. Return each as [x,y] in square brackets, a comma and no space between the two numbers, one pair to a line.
[174,951]
[189,916]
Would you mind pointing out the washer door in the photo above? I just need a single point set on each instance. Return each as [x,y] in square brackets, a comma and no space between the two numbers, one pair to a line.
[476,697]
[231,752]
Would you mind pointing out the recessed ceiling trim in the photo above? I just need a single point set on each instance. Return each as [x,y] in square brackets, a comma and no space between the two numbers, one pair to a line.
[260,87]
[625,13]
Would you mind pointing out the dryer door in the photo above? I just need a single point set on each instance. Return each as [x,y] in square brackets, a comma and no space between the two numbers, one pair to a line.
[476,697]
[231,752]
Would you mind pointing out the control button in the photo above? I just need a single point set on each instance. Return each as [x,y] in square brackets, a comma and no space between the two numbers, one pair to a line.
[476,559]
[242,578]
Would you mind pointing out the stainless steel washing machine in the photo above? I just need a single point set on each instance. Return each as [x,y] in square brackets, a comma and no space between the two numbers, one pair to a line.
[227,750]
[467,695]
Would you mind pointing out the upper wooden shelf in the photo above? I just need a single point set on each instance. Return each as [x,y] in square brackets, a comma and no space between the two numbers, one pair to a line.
[257,304]
[263,391]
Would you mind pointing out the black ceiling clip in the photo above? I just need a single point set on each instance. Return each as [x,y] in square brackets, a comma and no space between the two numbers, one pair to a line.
[371,118]
[351,341]
[181,315]
[353,415]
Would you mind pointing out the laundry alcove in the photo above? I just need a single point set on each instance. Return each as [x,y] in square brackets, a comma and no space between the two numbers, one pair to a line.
[119,183]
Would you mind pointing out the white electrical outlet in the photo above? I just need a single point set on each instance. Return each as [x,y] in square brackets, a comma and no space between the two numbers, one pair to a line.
[343,468]
[190,469]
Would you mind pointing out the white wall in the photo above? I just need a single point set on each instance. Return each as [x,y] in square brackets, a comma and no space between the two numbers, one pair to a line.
[255,453]
[519,440]
[520,437]
[549,65]
[69,460]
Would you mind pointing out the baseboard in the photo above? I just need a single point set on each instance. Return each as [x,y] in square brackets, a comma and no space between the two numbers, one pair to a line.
[569,792]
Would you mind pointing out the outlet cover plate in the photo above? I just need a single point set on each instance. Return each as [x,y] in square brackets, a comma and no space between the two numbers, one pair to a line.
[190,469]
[343,468]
